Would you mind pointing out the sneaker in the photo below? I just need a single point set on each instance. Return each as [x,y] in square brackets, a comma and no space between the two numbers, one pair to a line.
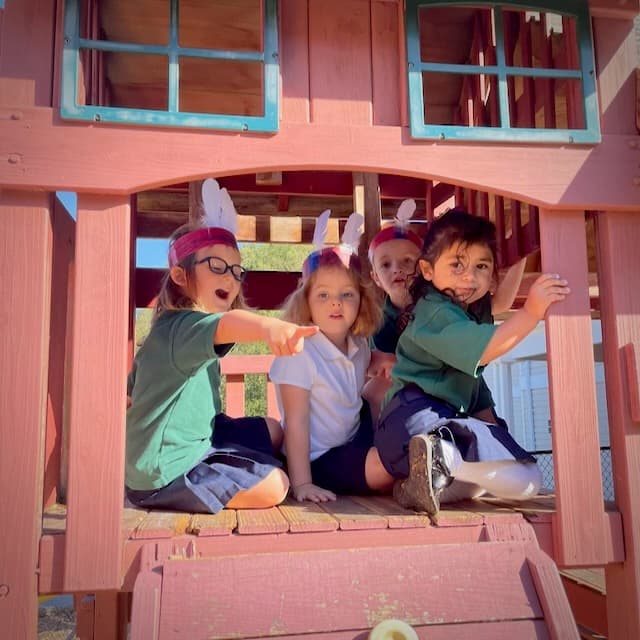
[428,476]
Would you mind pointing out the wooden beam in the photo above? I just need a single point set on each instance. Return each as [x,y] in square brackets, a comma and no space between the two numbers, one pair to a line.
[572,395]
[25,253]
[614,8]
[618,261]
[97,394]
[578,176]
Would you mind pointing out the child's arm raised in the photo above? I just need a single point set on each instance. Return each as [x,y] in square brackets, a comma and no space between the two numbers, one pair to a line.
[507,290]
[295,405]
[546,290]
[282,338]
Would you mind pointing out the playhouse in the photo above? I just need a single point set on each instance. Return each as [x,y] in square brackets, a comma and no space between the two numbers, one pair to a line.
[525,111]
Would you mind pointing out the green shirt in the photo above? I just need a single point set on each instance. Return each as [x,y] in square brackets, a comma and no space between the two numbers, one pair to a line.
[175,391]
[440,351]
[386,338]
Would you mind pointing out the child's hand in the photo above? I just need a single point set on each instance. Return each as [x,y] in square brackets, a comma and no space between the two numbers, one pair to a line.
[286,338]
[381,364]
[546,290]
[311,492]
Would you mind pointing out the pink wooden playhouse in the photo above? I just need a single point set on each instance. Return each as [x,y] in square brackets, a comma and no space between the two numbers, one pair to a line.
[524,111]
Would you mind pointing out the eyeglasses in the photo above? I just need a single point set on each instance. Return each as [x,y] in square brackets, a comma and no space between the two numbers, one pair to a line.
[220,267]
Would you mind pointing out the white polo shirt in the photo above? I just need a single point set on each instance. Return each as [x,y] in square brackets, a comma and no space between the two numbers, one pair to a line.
[335,382]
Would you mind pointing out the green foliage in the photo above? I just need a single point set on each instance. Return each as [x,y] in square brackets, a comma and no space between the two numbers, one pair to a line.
[274,257]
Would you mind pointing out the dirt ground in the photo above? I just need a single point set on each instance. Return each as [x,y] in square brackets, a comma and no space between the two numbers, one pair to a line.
[56,621]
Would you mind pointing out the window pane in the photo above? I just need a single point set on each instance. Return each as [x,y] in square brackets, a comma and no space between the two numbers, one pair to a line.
[139,22]
[221,86]
[540,40]
[231,25]
[455,35]
[460,99]
[136,81]
[546,103]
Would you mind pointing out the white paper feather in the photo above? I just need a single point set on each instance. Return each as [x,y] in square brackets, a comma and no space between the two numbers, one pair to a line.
[321,228]
[218,207]
[229,213]
[404,213]
[353,229]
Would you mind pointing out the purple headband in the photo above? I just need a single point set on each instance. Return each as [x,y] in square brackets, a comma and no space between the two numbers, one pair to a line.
[393,232]
[331,256]
[190,242]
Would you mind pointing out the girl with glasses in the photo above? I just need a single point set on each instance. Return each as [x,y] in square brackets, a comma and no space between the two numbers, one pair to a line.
[183,453]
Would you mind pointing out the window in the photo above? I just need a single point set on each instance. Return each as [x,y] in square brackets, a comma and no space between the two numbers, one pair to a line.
[187,63]
[513,71]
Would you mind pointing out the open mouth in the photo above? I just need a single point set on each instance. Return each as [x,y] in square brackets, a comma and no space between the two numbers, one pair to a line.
[222,294]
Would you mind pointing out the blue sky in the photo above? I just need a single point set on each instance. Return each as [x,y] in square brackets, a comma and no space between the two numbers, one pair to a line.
[150,252]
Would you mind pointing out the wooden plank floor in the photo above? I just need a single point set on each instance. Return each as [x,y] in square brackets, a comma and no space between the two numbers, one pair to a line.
[345,514]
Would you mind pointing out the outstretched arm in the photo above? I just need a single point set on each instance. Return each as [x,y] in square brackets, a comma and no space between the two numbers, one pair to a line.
[507,290]
[546,290]
[295,405]
[283,338]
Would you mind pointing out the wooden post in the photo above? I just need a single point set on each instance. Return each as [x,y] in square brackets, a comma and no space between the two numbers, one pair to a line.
[618,235]
[25,261]
[366,200]
[98,361]
[579,525]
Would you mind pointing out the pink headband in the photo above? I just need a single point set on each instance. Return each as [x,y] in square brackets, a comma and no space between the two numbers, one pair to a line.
[330,256]
[393,232]
[190,242]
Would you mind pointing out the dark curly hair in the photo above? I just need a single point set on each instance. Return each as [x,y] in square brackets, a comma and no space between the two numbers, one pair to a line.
[452,227]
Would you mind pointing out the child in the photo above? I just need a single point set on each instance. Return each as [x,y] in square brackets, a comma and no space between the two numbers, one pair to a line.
[437,383]
[393,254]
[328,436]
[182,453]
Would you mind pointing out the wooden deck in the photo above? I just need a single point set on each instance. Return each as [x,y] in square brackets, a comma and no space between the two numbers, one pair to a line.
[346,523]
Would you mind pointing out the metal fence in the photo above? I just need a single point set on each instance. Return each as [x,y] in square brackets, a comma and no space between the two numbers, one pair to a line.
[545,462]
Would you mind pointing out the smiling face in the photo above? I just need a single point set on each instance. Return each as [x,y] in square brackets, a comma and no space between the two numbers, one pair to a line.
[464,272]
[394,265]
[334,302]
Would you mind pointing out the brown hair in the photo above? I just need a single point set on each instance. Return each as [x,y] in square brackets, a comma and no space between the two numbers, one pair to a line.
[172,296]
[296,307]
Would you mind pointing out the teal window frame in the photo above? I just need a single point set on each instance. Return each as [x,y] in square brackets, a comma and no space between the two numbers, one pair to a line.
[172,117]
[577,9]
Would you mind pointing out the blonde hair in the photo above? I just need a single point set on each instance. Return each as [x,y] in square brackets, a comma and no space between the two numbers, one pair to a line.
[172,296]
[296,307]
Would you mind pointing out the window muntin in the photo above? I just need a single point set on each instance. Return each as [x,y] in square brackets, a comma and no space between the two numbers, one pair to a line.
[501,71]
[190,63]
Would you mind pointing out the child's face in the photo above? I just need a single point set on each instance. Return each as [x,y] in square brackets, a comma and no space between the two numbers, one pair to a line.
[394,265]
[215,292]
[334,302]
[463,271]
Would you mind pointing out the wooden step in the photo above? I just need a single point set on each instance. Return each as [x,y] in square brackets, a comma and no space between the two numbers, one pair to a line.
[472,590]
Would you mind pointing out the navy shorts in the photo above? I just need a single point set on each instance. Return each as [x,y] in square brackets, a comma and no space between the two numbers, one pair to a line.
[342,469]
[241,455]
[392,435]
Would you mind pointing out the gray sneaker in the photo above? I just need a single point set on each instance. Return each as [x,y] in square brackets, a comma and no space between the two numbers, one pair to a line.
[428,476]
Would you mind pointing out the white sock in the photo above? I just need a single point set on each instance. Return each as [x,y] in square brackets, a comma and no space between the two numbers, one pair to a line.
[451,455]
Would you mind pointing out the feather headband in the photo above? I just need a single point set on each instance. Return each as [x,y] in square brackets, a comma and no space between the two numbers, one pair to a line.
[218,224]
[345,254]
[399,230]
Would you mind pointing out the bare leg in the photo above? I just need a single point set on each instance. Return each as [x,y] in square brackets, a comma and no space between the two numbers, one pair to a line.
[276,433]
[269,492]
[377,477]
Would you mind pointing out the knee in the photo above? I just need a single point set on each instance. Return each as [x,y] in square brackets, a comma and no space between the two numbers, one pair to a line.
[276,433]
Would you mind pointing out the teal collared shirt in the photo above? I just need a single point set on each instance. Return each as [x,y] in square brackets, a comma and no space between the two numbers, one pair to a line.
[440,351]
